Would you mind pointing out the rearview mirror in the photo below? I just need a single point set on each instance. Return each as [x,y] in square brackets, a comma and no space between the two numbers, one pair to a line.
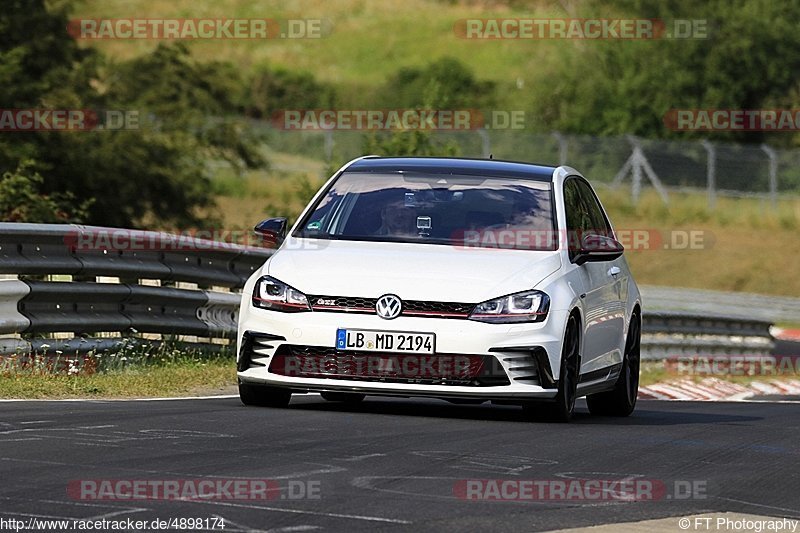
[598,248]
[272,230]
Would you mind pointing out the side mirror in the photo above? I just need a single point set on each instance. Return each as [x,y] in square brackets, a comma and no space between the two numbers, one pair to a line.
[598,248]
[272,230]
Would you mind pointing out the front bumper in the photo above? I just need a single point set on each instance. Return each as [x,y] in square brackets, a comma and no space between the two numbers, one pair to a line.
[523,358]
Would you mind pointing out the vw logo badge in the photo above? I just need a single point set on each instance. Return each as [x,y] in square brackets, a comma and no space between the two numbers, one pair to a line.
[388,306]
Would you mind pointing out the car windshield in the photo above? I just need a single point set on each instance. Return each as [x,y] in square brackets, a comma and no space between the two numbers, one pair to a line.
[453,210]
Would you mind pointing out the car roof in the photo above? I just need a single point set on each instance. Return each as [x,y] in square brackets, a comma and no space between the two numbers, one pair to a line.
[453,166]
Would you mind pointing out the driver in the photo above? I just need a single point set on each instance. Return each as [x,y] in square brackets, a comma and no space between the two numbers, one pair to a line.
[398,220]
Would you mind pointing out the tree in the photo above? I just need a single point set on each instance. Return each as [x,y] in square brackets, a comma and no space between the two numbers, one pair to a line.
[750,60]
[443,84]
[274,90]
[156,174]
[21,200]
[183,97]
[406,143]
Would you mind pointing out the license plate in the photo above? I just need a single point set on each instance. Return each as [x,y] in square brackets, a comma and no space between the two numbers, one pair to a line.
[385,341]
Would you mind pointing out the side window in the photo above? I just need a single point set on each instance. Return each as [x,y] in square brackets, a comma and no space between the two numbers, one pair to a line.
[584,214]
[577,217]
[572,200]
[598,222]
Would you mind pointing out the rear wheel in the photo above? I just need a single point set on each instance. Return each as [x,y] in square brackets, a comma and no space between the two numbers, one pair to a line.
[621,400]
[346,397]
[262,396]
[561,409]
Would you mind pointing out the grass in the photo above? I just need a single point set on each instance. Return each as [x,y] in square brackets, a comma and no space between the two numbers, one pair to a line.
[215,376]
[748,245]
[167,371]
[134,371]
[653,372]
[211,377]
[408,33]
[242,201]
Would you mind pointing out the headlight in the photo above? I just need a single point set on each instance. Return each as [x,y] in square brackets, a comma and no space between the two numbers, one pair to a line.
[528,306]
[269,293]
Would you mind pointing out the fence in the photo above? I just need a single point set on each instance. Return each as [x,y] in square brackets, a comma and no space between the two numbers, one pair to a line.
[65,288]
[715,169]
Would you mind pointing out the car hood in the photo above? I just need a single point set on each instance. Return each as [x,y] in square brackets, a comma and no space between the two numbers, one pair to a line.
[411,271]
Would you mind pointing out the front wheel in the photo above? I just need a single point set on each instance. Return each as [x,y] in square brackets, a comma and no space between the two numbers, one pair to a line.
[262,396]
[562,408]
[621,400]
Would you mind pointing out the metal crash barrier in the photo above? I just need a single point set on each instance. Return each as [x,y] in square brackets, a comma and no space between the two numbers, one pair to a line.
[149,298]
[64,284]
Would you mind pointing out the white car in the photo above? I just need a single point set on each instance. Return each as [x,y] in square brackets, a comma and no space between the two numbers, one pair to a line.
[462,279]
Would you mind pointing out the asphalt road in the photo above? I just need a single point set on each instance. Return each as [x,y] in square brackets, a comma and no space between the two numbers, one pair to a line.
[394,464]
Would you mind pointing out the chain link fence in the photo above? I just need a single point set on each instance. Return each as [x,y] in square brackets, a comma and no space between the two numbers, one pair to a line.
[717,169]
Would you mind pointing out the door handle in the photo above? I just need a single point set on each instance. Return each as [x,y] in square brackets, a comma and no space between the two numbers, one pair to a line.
[614,271]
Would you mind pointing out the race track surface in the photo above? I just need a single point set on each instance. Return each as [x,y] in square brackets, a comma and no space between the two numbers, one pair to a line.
[395,464]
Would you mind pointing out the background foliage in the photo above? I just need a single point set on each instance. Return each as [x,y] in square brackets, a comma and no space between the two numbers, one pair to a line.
[198,101]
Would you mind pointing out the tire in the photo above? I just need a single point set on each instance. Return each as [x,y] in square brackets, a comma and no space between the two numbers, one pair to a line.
[262,396]
[345,397]
[621,400]
[563,406]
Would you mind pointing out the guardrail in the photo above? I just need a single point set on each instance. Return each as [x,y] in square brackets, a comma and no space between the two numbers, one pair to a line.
[45,249]
[87,304]
[151,268]
[716,303]
[674,333]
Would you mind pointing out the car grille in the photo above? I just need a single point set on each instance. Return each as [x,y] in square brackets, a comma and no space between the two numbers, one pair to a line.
[349,304]
[438,369]
[344,304]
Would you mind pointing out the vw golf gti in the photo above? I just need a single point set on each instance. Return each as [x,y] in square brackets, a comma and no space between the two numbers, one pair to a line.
[468,280]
